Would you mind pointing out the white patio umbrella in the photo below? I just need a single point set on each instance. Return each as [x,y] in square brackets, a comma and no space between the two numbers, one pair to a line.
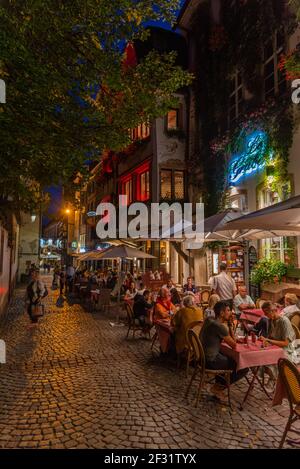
[214,228]
[282,219]
[123,252]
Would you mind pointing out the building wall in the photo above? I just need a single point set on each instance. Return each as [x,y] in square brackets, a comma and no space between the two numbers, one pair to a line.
[5,271]
[8,261]
[29,242]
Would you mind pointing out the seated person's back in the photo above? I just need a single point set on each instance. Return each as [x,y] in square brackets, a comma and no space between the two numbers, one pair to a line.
[183,318]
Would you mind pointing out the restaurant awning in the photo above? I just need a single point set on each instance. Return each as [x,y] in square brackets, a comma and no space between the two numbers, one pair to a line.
[282,219]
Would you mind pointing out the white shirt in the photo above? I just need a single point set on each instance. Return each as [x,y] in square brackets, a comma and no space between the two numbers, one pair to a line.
[239,300]
[289,310]
[224,286]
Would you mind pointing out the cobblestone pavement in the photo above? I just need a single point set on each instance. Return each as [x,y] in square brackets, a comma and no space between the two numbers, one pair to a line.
[76,382]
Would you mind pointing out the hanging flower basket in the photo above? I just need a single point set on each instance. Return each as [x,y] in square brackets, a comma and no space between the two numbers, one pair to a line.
[290,65]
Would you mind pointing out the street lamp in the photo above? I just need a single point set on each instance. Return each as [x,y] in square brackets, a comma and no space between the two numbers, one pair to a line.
[67,211]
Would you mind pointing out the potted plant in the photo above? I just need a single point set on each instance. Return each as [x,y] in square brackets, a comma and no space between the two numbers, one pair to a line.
[268,271]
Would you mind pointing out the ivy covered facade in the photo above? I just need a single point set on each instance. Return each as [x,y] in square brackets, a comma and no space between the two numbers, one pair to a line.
[244,136]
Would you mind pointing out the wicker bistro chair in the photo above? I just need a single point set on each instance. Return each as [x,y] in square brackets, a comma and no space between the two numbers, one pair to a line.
[290,377]
[196,327]
[201,370]
[259,303]
[295,319]
[205,295]
[296,330]
[132,321]
[104,300]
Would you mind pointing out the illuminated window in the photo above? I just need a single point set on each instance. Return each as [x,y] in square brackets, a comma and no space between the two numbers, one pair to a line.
[163,253]
[173,119]
[279,248]
[145,186]
[172,184]
[236,97]
[82,241]
[179,184]
[127,190]
[166,184]
[274,80]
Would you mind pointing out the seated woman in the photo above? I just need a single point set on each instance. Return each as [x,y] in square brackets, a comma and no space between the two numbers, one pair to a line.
[141,307]
[164,307]
[291,304]
[183,318]
[213,300]
[214,331]
[131,292]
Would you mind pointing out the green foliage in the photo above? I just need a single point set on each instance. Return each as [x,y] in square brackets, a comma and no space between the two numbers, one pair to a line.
[267,271]
[56,53]
[215,244]
[246,29]
[277,120]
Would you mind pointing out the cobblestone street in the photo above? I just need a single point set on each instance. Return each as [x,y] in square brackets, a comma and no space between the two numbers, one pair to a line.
[76,382]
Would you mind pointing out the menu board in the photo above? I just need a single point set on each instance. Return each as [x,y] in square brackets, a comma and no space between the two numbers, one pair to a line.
[254,290]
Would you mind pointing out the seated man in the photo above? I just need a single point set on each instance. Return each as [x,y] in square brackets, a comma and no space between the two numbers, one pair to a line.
[189,286]
[169,285]
[262,327]
[183,318]
[242,301]
[164,307]
[280,333]
[214,331]
[141,307]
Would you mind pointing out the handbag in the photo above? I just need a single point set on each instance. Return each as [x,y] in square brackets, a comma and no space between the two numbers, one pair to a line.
[37,310]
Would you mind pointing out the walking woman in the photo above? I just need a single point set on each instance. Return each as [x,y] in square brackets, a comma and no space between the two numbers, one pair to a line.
[36,291]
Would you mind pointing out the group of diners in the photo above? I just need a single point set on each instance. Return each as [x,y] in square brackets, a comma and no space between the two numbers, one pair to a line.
[164,304]
[220,320]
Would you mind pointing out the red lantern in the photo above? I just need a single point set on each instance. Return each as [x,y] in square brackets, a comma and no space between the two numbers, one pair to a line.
[130,58]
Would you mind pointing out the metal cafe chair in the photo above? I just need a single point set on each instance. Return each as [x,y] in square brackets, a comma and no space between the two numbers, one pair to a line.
[201,370]
[290,377]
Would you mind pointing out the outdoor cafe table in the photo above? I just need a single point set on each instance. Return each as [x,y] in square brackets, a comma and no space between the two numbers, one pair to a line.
[253,356]
[252,315]
[164,331]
